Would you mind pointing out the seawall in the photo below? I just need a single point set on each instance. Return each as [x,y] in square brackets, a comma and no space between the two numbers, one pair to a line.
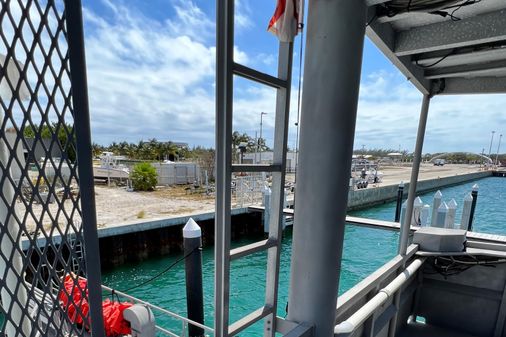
[364,198]
[141,240]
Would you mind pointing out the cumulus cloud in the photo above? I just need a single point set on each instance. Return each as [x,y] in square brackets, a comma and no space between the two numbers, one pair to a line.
[149,78]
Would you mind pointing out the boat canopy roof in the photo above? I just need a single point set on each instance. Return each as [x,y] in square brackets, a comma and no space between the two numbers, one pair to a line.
[443,46]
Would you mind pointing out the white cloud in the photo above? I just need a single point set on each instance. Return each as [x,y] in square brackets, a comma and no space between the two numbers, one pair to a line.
[389,109]
[243,15]
[152,79]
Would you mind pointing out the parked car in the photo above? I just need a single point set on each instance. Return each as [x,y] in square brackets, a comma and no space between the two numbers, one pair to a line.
[439,162]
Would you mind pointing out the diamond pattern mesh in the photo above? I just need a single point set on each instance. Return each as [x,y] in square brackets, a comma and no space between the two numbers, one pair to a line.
[41,233]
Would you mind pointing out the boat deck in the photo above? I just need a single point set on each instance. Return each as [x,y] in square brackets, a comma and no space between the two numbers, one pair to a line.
[427,330]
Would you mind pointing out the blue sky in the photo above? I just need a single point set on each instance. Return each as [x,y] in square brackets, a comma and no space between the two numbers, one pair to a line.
[151,73]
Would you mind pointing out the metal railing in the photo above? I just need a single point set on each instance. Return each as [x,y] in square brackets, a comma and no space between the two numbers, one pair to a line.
[45,221]
[185,322]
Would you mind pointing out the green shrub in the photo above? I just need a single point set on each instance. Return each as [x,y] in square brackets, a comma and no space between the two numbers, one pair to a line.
[143,177]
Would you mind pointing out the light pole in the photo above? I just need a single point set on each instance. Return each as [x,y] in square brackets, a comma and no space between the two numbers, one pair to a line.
[491,140]
[260,139]
[498,147]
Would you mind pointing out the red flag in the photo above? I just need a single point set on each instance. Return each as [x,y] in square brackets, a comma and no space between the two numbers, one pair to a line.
[286,19]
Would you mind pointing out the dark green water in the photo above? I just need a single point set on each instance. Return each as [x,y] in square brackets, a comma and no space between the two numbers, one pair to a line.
[365,250]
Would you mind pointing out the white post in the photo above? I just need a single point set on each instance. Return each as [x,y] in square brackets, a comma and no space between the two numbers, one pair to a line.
[267,209]
[424,216]
[441,214]
[192,239]
[417,210]
[466,212]
[285,205]
[452,210]
[435,206]
[11,250]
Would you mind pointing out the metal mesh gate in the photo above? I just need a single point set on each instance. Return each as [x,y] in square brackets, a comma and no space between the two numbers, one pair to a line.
[47,213]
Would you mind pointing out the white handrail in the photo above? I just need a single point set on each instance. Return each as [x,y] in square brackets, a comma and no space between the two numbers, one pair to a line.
[359,317]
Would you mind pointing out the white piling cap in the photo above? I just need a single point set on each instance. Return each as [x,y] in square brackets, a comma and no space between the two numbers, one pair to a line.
[191,230]
[475,187]
[443,207]
[468,197]
[418,202]
[438,194]
[452,204]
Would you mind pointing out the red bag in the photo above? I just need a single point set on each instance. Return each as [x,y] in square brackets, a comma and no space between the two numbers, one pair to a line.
[74,300]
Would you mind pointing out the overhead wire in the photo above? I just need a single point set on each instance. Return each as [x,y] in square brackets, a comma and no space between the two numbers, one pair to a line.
[436,62]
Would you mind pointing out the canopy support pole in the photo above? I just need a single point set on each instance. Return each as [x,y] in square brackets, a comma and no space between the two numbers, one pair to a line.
[417,159]
[333,60]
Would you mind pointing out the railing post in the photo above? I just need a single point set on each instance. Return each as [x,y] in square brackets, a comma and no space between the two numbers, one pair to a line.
[442,213]
[474,194]
[267,208]
[424,216]
[192,236]
[400,194]
[436,202]
[452,210]
[466,211]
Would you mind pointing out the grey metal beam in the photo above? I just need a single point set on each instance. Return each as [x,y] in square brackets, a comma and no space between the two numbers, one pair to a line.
[78,79]
[335,36]
[249,320]
[383,36]
[375,2]
[258,76]
[256,168]
[482,69]
[501,316]
[278,185]
[224,97]
[481,56]
[449,34]
[252,248]
[417,159]
[482,85]
[400,16]
[301,330]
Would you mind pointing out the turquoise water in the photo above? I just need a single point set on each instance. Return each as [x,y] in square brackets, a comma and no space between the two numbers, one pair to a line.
[365,250]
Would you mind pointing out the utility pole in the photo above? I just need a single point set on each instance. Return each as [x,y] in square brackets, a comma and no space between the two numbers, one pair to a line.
[491,140]
[498,147]
[260,139]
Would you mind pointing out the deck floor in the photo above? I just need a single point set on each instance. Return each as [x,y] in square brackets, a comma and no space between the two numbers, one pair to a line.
[426,330]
